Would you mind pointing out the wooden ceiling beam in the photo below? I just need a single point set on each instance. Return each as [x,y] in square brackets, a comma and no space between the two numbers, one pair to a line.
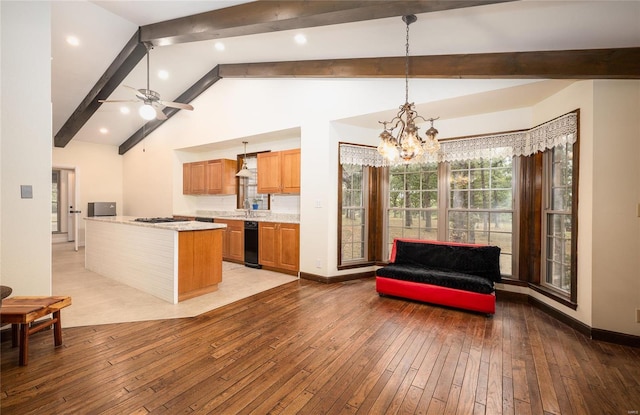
[623,63]
[272,16]
[186,97]
[124,63]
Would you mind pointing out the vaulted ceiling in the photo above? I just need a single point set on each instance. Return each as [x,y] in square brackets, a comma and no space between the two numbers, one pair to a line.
[451,39]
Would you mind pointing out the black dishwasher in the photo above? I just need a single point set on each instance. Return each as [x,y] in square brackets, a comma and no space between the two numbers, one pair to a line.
[251,244]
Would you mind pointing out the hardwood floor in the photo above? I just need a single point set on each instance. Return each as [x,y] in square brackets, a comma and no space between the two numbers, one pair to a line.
[312,348]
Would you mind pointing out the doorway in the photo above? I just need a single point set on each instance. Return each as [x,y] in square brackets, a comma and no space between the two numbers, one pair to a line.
[64,212]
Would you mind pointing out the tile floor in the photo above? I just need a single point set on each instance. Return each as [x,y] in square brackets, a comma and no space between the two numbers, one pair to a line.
[101,300]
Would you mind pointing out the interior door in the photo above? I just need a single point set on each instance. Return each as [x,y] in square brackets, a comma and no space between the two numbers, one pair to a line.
[74,212]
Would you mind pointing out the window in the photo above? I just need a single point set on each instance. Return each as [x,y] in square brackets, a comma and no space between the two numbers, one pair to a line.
[413,202]
[557,217]
[248,187]
[515,190]
[480,208]
[353,228]
[55,197]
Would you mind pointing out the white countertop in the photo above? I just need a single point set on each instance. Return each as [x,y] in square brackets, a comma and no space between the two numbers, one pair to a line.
[173,226]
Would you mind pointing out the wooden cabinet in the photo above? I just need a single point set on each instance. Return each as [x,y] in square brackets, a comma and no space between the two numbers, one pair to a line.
[213,177]
[279,246]
[221,177]
[199,262]
[290,160]
[193,178]
[279,172]
[233,240]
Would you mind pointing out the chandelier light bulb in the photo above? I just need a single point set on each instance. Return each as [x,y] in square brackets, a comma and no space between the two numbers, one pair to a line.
[147,112]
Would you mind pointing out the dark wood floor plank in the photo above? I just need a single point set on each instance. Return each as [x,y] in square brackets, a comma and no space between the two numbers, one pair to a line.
[309,348]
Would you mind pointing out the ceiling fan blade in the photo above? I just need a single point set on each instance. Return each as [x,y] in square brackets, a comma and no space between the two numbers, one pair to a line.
[159,114]
[136,91]
[177,105]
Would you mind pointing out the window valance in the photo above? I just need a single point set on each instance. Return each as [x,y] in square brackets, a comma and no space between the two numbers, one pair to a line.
[562,130]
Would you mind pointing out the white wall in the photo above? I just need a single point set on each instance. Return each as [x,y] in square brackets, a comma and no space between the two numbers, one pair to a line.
[98,172]
[609,193]
[25,240]
[616,195]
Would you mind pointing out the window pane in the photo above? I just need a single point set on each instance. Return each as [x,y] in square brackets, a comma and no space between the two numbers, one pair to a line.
[353,235]
[501,199]
[484,213]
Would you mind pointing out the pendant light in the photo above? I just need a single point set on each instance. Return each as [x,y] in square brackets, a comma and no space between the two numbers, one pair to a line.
[407,146]
[244,172]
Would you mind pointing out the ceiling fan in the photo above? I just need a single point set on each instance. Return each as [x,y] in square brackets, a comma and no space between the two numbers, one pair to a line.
[152,104]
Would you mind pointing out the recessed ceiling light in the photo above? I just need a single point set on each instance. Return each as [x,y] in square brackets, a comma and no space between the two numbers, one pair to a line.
[162,74]
[73,41]
[104,130]
[125,110]
[219,46]
[300,39]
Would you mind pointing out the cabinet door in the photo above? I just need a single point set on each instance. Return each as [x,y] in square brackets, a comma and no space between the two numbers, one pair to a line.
[269,172]
[199,260]
[221,177]
[186,179]
[236,240]
[267,245]
[289,235]
[214,176]
[290,160]
[198,181]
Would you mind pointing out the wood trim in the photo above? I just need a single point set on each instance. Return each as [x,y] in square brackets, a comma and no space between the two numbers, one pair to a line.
[274,16]
[560,316]
[615,337]
[122,65]
[530,244]
[554,296]
[574,215]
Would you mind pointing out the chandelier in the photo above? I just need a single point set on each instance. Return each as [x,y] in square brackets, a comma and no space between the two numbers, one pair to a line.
[406,144]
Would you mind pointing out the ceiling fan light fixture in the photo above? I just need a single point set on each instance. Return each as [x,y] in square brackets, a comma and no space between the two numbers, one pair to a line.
[147,112]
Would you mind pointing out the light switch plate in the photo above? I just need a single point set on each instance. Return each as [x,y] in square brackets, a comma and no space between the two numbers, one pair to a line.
[638,315]
[26,191]
[638,210]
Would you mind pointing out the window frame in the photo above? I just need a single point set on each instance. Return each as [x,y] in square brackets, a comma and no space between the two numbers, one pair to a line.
[364,208]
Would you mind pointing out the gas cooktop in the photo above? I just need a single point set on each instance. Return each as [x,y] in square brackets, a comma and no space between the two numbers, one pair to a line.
[158,220]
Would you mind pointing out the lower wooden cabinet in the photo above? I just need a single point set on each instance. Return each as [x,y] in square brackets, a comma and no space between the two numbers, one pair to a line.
[279,246]
[199,262]
[233,240]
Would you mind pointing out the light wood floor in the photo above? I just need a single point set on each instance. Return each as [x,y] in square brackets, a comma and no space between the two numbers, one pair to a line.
[101,300]
[312,348]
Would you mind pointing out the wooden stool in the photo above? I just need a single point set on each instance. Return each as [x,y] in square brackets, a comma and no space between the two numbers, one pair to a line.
[20,312]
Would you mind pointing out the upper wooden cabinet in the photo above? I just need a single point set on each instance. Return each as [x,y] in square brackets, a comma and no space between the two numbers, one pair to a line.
[279,172]
[193,178]
[213,177]
[221,177]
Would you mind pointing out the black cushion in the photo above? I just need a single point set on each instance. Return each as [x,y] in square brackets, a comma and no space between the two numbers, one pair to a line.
[457,280]
[482,261]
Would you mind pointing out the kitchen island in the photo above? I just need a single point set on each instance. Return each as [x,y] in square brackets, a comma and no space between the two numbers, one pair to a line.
[173,261]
